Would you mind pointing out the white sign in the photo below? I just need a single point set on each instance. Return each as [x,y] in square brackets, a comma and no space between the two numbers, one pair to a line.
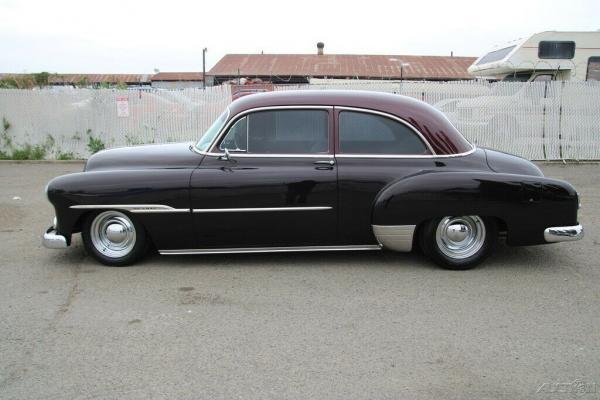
[122,106]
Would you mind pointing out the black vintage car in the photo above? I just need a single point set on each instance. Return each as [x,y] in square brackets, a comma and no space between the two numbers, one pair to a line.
[313,171]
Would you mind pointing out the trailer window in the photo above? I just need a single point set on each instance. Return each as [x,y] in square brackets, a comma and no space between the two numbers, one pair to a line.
[495,55]
[593,69]
[517,77]
[556,50]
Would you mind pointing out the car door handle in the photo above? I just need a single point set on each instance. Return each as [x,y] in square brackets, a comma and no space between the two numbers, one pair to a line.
[328,162]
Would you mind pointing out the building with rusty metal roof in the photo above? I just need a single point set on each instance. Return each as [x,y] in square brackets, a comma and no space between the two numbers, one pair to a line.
[299,68]
[177,80]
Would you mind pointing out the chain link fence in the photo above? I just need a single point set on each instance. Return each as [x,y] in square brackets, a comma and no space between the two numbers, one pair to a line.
[78,122]
[539,120]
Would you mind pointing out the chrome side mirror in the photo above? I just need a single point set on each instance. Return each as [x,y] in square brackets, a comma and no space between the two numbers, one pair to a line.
[226,156]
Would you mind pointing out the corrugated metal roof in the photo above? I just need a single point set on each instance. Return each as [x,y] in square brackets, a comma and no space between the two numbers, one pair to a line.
[178,76]
[344,65]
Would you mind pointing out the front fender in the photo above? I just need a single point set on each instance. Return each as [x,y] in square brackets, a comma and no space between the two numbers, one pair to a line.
[120,188]
[526,204]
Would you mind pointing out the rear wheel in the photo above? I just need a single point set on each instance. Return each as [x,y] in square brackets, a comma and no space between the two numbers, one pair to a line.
[114,238]
[459,242]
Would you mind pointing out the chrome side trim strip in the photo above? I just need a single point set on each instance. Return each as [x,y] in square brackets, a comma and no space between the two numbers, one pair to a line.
[563,233]
[134,208]
[241,114]
[269,249]
[258,209]
[395,237]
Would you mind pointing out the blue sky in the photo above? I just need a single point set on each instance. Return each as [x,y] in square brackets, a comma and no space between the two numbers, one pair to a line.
[138,36]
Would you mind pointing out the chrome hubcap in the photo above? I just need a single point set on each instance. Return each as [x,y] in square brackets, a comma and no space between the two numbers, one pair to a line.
[113,234]
[460,237]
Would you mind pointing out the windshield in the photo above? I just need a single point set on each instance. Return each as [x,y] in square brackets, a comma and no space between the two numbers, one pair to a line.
[495,55]
[212,132]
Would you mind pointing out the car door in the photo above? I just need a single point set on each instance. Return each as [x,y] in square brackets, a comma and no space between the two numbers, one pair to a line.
[275,187]
[372,150]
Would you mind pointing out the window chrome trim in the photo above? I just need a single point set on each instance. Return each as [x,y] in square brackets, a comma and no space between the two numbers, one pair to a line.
[424,156]
[269,249]
[227,125]
[257,109]
[390,116]
[267,155]
[259,209]
[133,208]
[194,145]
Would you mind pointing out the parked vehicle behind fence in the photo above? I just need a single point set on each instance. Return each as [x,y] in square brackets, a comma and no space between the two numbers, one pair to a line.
[543,56]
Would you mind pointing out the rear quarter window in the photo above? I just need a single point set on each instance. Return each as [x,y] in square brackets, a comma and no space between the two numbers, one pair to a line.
[364,133]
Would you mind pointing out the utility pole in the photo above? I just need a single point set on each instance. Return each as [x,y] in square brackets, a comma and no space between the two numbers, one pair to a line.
[204,68]
[402,65]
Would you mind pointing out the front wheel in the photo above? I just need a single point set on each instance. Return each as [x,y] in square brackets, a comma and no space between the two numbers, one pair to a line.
[459,242]
[114,238]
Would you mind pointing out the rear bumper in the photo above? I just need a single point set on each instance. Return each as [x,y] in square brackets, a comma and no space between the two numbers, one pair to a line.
[53,240]
[563,233]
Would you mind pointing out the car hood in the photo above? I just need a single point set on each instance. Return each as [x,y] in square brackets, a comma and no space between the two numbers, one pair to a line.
[174,155]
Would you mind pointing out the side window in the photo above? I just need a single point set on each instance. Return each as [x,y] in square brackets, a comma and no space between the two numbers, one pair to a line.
[364,133]
[237,137]
[556,50]
[288,132]
[593,69]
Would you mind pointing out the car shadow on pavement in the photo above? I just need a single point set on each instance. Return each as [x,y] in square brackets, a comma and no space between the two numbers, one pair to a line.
[320,259]
[546,257]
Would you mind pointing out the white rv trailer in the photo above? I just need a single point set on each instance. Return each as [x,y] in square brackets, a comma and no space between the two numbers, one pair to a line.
[543,56]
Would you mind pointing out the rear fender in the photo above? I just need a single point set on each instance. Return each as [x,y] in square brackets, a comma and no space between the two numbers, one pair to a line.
[526,204]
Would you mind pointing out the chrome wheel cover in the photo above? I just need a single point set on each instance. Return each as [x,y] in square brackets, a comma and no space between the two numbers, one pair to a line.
[460,237]
[112,234]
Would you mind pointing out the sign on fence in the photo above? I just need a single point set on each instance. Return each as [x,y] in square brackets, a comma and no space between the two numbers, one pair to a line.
[122,106]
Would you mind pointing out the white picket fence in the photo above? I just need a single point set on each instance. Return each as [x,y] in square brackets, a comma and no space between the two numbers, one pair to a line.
[539,121]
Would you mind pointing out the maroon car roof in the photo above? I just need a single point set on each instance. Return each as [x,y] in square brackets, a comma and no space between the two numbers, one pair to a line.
[433,125]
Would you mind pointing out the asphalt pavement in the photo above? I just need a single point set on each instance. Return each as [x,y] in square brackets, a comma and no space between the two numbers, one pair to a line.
[364,325]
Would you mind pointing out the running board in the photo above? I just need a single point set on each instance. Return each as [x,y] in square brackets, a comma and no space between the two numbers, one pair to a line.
[268,249]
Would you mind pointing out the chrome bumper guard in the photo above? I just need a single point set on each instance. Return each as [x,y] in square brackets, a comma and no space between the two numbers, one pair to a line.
[563,233]
[53,240]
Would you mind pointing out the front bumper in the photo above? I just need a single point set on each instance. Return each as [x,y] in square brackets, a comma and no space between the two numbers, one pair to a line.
[563,233]
[53,240]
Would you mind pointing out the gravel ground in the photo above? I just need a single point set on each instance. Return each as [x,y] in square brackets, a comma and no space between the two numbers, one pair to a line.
[366,325]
